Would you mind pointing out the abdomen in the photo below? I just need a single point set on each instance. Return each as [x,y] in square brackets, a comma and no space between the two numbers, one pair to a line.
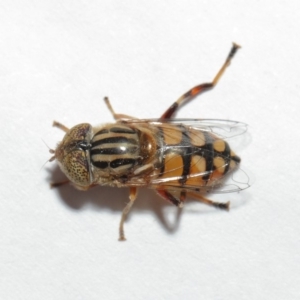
[192,157]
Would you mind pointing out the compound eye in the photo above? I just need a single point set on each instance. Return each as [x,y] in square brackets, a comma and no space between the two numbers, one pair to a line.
[76,167]
[78,133]
[72,155]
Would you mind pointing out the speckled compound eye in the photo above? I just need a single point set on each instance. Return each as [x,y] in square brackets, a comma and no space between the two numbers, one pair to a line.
[76,167]
[73,155]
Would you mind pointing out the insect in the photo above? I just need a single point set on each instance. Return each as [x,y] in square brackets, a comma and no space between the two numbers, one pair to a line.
[180,158]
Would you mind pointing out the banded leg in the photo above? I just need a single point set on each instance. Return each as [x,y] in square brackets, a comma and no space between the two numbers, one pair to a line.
[132,197]
[199,88]
[116,116]
[199,197]
[177,197]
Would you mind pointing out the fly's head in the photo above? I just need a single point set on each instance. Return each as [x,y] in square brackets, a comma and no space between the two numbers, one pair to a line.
[73,155]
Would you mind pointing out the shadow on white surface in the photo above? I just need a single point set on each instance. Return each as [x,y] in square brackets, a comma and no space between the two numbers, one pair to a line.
[115,199]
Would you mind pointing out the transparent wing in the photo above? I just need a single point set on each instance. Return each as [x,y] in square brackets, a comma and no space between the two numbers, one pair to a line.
[237,181]
[234,181]
[224,129]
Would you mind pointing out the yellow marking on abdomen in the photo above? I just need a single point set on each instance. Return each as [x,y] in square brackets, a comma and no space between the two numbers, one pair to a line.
[173,166]
[172,134]
[219,145]
[219,164]
[197,170]
[197,137]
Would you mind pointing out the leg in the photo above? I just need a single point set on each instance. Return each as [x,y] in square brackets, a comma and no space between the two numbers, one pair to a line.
[58,184]
[78,187]
[177,197]
[132,197]
[199,197]
[117,117]
[199,88]
[65,129]
[60,126]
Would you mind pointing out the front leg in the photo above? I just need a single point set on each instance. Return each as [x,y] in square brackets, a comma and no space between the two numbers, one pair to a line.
[117,117]
[60,126]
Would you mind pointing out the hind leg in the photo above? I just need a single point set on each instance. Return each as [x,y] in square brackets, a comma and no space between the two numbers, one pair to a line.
[169,113]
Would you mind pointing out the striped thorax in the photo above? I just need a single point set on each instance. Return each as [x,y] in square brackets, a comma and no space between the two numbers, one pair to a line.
[115,149]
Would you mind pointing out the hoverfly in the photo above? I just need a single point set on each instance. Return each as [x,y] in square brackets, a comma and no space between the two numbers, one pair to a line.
[180,159]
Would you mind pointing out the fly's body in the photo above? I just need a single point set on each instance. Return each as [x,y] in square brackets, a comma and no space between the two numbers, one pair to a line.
[159,153]
[180,159]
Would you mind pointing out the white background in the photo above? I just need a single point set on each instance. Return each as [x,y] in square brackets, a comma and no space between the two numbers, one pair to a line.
[59,59]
